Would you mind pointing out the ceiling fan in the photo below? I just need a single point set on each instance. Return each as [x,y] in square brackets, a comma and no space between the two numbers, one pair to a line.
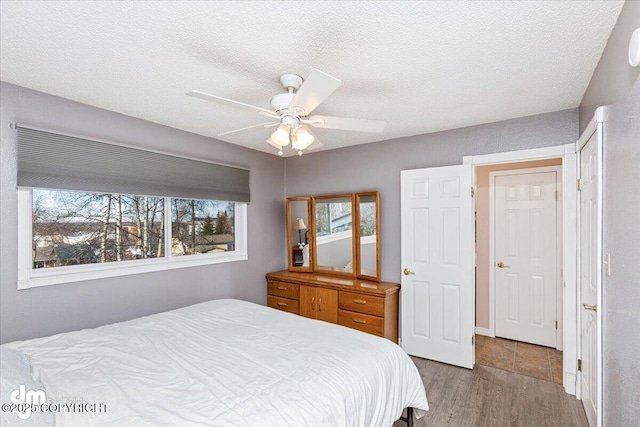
[290,111]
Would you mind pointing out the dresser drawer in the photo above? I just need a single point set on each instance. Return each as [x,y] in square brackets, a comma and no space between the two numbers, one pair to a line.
[362,322]
[283,304]
[361,303]
[282,289]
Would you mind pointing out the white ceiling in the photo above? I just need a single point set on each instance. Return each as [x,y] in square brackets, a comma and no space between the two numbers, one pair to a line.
[421,66]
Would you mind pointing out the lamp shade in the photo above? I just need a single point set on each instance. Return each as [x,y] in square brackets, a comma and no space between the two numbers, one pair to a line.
[302,138]
[299,225]
[281,135]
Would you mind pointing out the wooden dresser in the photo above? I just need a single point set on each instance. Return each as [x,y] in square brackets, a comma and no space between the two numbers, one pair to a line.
[359,304]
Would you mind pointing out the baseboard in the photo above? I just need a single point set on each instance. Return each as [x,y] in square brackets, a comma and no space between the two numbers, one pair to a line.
[484,331]
[570,381]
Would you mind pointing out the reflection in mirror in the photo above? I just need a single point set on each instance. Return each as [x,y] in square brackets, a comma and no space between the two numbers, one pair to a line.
[334,234]
[369,244]
[298,209]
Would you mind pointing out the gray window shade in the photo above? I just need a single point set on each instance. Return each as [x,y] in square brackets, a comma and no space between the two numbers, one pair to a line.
[49,160]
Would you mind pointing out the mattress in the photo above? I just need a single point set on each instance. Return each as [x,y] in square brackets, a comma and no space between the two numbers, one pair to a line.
[226,363]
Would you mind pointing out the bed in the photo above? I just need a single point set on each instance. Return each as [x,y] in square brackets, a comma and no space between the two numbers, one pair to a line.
[226,363]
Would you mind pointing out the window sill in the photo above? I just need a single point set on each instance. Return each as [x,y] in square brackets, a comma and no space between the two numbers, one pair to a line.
[54,276]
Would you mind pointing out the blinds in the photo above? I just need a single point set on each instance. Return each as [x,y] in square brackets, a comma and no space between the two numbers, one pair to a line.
[50,160]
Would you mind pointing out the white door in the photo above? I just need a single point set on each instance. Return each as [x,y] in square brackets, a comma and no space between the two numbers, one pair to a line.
[526,263]
[590,280]
[438,283]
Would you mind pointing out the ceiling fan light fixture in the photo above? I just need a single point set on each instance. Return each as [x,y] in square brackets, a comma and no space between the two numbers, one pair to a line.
[292,109]
[302,138]
[281,135]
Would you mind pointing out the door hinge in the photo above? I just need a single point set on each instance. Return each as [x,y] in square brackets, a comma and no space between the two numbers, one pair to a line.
[556,194]
[580,365]
[473,192]
[556,324]
[473,340]
[579,184]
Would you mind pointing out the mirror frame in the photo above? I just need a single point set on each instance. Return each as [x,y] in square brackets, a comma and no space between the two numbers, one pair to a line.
[359,274]
[310,227]
[314,199]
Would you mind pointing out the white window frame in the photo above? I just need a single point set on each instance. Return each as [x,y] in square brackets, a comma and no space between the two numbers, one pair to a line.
[29,277]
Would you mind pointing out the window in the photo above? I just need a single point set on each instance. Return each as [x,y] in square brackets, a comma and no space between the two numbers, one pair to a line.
[367,219]
[201,226]
[333,218]
[81,235]
[145,211]
[74,228]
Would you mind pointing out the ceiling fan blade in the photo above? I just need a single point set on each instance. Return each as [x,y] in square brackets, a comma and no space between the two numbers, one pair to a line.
[343,123]
[231,102]
[248,129]
[315,89]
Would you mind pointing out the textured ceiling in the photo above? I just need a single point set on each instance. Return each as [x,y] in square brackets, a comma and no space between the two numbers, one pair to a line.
[421,66]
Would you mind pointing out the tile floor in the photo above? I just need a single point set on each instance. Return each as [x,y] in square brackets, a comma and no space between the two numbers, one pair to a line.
[527,359]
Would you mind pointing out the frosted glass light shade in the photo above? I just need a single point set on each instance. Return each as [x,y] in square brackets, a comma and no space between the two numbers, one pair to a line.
[281,135]
[302,139]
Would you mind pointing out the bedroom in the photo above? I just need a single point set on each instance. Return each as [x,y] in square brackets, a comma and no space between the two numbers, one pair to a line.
[64,80]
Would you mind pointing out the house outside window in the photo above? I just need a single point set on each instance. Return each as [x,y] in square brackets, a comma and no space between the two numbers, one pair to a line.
[333,218]
[81,235]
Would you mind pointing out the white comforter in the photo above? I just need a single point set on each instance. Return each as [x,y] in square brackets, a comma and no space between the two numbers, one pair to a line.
[227,363]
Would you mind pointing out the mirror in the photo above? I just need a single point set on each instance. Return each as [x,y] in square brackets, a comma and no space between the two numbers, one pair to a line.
[298,226]
[334,242]
[335,234]
[368,236]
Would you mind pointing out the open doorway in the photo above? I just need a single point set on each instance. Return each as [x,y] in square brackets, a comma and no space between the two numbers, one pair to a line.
[438,250]
[519,267]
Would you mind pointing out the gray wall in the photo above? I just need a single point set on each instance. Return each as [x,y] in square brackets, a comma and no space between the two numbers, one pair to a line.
[377,166]
[621,290]
[613,77]
[58,308]
[615,82]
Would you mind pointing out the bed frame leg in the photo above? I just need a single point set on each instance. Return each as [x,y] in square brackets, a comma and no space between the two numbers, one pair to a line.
[409,418]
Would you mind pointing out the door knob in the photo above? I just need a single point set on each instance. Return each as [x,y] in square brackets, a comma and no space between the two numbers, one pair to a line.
[500,264]
[407,272]
[590,307]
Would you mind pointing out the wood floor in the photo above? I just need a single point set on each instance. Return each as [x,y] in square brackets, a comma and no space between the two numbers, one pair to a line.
[488,396]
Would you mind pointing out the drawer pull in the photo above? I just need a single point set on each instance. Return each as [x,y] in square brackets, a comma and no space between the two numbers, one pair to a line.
[282,304]
[362,322]
[282,288]
[359,301]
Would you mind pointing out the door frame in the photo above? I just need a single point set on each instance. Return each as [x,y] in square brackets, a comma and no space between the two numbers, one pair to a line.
[569,242]
[492,260]
[595,125]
